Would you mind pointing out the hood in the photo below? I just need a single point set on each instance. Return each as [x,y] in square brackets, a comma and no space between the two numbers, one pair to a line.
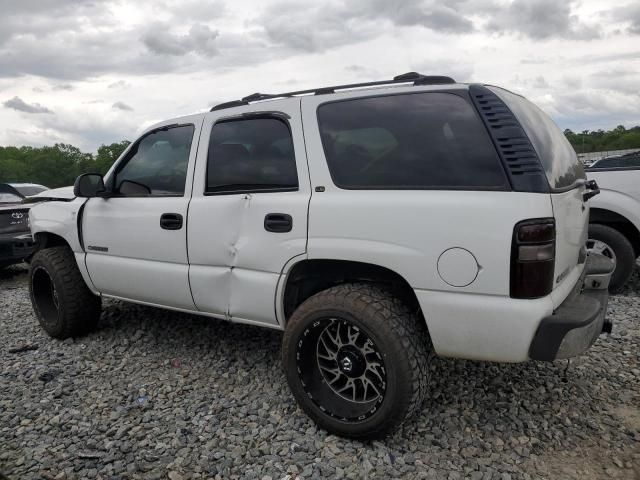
[62,193]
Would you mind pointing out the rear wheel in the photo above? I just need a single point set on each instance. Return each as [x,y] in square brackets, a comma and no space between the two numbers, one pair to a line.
[611,243]
[63,304]
[356,360]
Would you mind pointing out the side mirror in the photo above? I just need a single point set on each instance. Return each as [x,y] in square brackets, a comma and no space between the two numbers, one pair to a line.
[129,188]
[89,185]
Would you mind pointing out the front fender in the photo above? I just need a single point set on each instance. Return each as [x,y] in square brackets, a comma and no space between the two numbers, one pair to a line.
[59,218]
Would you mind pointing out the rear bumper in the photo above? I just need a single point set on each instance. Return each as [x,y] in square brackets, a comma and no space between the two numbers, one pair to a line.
[576,323]
[15,247]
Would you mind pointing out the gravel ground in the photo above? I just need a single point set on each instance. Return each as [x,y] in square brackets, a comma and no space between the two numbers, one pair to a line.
[156,395]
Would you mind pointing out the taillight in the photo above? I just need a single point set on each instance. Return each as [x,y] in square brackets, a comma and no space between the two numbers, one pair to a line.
[533,252]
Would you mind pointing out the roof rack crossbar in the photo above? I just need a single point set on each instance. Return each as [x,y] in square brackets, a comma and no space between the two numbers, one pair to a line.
[409,77]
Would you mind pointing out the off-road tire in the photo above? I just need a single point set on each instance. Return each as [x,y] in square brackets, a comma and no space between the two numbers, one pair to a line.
[69,309]
[400,337]
[623,250]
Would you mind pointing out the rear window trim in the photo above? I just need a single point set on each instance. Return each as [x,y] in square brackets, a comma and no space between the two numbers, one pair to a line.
[578,182]
[462,93]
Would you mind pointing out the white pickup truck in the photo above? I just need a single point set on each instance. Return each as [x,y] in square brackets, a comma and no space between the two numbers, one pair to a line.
[375,224]
[614,224]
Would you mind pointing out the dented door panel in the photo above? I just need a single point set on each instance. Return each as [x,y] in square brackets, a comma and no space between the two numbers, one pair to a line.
[235,263]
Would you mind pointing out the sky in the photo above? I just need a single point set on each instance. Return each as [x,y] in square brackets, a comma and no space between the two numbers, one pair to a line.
[88,72]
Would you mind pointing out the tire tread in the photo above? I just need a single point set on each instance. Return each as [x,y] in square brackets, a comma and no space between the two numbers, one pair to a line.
[79,307]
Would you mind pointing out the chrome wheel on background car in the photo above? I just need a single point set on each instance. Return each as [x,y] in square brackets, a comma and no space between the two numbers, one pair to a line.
[598,246]
[341,369]
[612,243]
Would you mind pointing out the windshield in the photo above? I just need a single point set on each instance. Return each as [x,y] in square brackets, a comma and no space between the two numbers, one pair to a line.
[28,190]
[6,197]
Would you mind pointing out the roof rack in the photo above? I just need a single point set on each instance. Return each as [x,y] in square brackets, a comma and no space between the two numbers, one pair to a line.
[410,77]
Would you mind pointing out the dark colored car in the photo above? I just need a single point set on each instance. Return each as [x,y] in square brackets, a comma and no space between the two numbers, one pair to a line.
[15,237]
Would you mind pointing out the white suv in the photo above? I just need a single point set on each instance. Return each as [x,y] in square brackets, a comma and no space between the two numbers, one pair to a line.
[375,224]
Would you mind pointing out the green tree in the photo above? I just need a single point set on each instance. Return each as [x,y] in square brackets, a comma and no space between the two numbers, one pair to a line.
[107,154]
[620,138]
[55,166]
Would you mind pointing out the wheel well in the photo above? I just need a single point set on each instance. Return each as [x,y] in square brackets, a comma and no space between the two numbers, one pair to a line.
[619,223]
[309,277]
[46,240]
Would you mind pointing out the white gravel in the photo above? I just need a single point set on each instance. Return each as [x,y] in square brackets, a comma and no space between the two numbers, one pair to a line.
[157,395]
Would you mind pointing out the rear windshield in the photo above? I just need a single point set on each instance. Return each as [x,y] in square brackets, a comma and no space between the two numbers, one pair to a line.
[430,140]
[559,159]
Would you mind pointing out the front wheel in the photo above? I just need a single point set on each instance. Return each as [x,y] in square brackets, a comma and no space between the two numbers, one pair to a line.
[611,243]
[356,360]
[62,302]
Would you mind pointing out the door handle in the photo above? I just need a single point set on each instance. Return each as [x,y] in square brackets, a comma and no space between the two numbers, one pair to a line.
[278,222]
[171,221]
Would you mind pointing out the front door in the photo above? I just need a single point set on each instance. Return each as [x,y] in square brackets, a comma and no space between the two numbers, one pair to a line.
[136,240]
[248,213]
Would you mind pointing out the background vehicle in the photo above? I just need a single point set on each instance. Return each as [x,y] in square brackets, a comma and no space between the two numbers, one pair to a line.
[15,237]
[628,160]
[614,224]
[375,226]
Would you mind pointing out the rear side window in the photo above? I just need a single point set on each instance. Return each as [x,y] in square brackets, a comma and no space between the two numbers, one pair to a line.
[251,155]
[559,159]
[428,140]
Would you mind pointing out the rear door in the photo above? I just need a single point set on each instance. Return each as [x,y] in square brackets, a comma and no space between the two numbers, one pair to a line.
[566,177]
[248,213]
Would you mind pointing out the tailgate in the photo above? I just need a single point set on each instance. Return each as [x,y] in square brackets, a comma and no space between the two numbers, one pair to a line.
[572,222]
[14,220]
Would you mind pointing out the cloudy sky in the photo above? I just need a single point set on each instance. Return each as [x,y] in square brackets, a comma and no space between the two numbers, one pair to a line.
[88,72]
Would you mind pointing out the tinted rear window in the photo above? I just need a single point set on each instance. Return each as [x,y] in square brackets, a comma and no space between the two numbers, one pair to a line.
[558,157]
[430,140]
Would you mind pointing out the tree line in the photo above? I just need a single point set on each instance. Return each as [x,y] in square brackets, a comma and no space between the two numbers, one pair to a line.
[56,166]
[601,141]
[59,165]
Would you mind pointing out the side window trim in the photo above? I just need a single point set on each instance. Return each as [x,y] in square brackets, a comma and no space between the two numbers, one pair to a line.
[133,149]
[276,115]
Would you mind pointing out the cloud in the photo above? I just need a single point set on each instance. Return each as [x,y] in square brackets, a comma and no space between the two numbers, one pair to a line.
[63,86]
[20,105]
[630,15]
[336,23]
[200,39]
[119,84]
[86,126]
[200,10]
[617,79]
[122,106]
[540,82]
[541,20]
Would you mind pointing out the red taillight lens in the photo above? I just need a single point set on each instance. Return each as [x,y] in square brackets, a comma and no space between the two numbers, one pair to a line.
[532,258]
